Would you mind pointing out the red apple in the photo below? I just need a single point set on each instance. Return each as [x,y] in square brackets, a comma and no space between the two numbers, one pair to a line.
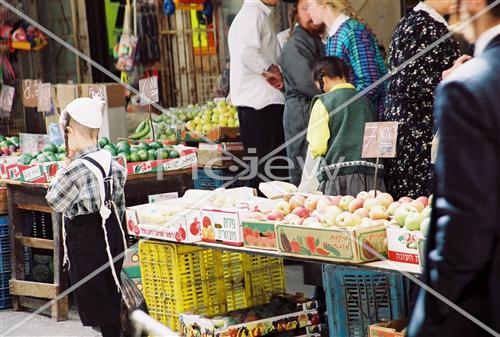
[405,200]
[363,195]
[311,202]
[362,213]
[355,204]
[323,203]
[418,205]
[336,200]
[379,213]
[385,199]
[283,207]
[301,212]
[296,201]
[370,203]
[345,201]
[423,200]
[275,216]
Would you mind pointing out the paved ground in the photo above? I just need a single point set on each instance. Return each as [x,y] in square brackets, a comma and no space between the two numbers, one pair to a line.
[44,326]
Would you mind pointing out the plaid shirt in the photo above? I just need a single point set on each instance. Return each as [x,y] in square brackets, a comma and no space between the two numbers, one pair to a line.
[75,190]
[357,46]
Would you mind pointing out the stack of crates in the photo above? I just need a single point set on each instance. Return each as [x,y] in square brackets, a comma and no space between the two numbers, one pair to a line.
[180,279]
[358,298]
[39,263]
[5,269]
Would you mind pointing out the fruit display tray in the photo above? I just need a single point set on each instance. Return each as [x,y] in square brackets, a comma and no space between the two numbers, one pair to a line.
[218,134]
[260,234]
[343,245]
[296,313]
[187,159]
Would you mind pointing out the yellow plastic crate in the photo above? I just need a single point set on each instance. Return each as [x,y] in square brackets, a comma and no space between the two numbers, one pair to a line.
[180,279]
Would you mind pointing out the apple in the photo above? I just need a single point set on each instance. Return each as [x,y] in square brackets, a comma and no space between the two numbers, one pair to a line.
[336,200]
[311,222]
[311,202]
[418,205]
[402,212]
[379,213]
[424,226]
[363,195]
[431,198]
[385,199]
[283,207]
[370,203]
[355,204]
[292,219]
[423,200]
[275,216]
[427,212]
[330,217]
[413,221]
[345,201]
[366,222]
[362,213]
[357,219]
[346,219]
[393,207]
[296,201]
[323,203]
[405,200]
[373,194]
[301,212]
[257,216]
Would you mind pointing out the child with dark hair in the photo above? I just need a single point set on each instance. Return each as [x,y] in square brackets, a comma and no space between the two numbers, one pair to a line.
[336,129]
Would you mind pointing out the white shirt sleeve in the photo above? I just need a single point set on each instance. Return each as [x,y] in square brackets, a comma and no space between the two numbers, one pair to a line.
[251,55]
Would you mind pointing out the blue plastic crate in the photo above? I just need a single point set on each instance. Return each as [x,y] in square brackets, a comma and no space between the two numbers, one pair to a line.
[4,220]
[210,179]
[357,298]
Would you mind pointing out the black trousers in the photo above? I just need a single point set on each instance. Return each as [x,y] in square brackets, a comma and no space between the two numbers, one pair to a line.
[261,134]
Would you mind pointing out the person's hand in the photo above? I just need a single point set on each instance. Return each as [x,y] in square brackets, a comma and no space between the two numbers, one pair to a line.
[458,63]
[273,77]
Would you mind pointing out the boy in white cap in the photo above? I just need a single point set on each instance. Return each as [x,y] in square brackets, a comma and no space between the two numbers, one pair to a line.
[89,194]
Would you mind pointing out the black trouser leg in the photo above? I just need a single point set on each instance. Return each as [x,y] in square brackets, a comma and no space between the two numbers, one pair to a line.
[261,134]
[113,330]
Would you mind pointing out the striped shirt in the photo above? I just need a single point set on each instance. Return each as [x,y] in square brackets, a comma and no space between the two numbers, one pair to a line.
[75,190]
[357,46]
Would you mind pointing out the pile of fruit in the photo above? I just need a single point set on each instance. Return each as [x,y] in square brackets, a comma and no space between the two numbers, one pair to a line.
[164,130]
[214,115]
[140,152]
[50,153]
[9,146]
[364,210]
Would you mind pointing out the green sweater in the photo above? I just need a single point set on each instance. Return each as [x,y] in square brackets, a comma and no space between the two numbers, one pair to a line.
[347,127]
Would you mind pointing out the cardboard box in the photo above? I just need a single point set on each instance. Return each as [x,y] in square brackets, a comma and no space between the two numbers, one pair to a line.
[3,200]
[218,134]
[187,159]
[183,226]
[212,155]
[65,93]
[114,93]
[38,173]
[304,316]
[223,225]
[4,162]
[259,234]
[402,245]
[332,244]
[388,329]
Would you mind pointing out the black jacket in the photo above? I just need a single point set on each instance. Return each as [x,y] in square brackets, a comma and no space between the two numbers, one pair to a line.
[463,262]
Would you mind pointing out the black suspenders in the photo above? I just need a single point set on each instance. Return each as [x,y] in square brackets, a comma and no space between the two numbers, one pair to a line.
[107,178]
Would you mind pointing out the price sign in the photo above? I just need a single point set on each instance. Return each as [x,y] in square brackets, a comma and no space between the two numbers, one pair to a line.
[44,97]
[148,88]
[380,139]
[7,99]
[30,93]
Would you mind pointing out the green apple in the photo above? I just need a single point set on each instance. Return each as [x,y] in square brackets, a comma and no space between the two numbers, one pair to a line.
[424,226]
[402,212]
[346,219]
[413,221]
[345,201]
[427,212]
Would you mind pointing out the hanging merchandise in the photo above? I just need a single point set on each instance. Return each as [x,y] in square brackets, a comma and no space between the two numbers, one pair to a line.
[203,35]
[24,36]
[187,5]
[168,7]
[128,43]
[148,49]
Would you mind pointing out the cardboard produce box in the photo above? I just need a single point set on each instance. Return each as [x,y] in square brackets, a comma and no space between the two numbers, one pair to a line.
[40,173]
[223,225]
[389,329]
[402,245]
[260,234]
[114,93]
[212,155]
[347,245]
[187,159]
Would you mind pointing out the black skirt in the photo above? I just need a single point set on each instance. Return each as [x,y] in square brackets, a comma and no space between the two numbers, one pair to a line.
[98,300]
